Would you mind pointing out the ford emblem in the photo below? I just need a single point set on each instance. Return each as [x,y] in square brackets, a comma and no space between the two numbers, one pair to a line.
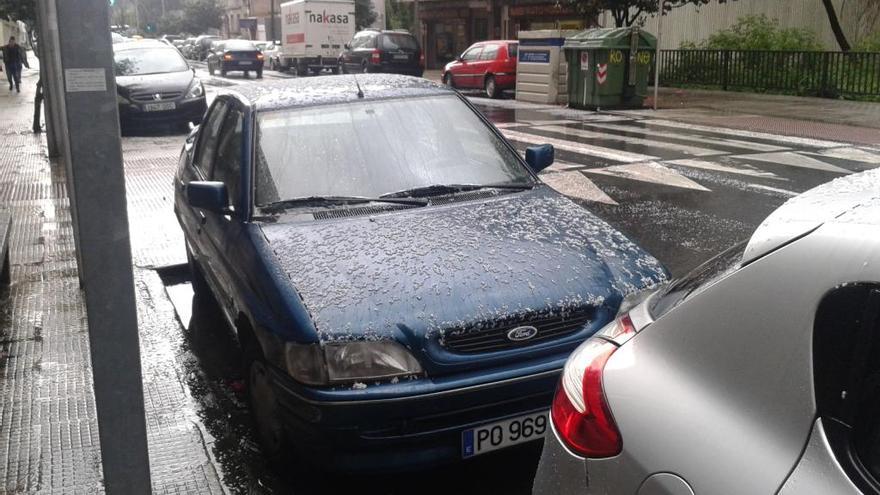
[519,334]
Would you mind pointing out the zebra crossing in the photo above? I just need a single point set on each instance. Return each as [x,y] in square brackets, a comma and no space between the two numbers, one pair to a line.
[683,191]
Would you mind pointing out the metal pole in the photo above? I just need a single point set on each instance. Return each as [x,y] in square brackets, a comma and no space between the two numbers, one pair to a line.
[272,20]
[657,53]
[79,48]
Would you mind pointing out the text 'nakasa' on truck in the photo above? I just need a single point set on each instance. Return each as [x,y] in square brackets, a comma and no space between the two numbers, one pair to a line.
[313,32]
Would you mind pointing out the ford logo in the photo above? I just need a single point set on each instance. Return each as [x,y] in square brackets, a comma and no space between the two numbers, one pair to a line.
[519,334]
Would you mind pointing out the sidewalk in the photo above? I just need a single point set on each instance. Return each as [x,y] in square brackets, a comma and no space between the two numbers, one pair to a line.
[48,425]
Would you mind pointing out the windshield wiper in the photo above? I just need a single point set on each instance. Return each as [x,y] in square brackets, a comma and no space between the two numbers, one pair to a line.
[438,189]
[278,206]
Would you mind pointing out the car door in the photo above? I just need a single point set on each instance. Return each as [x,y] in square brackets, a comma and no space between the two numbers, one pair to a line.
[463,74]
[223,230]
[484,63]
[200,168]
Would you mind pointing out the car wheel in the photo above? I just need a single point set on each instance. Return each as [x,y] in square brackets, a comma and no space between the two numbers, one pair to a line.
[447,80]
[200,287]
[490,87]
[334,70]
[302,70]
[264,405]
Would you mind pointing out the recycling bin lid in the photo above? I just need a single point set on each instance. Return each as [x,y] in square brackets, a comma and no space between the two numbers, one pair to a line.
[608,38]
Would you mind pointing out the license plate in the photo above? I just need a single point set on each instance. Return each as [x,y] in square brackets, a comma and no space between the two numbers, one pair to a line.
[401,57]
[501,434]
[158,107]
[245,62]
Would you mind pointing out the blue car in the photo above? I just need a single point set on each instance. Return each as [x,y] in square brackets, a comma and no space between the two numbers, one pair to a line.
[403,286]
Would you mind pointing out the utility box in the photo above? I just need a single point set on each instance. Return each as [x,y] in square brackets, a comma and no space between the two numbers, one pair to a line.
[541,69]
[609,67]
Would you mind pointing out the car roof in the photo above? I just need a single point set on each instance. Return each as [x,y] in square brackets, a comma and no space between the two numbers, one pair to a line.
[140,43]
[853,199]
[328,90]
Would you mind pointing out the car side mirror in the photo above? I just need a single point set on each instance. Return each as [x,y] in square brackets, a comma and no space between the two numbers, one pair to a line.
[540,157]
[208,195]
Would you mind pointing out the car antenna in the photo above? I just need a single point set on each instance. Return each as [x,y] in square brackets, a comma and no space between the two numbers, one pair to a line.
[360,92]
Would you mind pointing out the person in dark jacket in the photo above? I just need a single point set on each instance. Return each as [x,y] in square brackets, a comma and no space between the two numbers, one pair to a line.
[14,56]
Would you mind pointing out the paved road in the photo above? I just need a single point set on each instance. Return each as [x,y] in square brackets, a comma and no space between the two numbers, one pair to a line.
[684,192]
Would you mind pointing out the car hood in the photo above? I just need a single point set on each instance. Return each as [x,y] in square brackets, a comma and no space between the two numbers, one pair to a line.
[424,270]
[808,211]
[168,81]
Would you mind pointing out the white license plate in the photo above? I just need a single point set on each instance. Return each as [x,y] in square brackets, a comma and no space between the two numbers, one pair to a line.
[501,434]
[158,107]
[401,57]
[246,62]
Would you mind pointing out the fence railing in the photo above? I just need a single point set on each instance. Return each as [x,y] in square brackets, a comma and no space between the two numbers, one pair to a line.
[828,74]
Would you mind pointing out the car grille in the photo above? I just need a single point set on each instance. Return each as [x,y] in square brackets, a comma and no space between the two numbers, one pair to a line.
[494,337]
[164,96]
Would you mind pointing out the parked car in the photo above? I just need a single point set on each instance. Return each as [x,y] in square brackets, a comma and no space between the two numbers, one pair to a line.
[402,283]
[757,373]
[118,38]
[235,55]
[155,84]
[488,65]
[395,52]
[202,46]
[188,48]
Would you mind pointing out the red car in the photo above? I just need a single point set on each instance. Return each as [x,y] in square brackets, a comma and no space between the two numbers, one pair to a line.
[487,65]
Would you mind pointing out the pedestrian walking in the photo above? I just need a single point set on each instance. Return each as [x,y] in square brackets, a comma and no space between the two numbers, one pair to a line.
[14,56]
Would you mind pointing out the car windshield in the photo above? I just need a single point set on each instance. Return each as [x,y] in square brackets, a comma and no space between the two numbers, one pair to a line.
[239,45]
[378,147]
[697,280]
[398,41]
[142,61]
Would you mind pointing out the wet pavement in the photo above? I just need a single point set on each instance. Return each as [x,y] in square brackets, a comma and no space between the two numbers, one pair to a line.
[682,191]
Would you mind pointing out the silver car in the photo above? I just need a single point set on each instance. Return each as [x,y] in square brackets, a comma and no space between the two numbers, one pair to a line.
[757,373]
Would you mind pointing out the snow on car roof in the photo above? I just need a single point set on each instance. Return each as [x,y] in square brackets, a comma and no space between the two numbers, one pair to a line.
[326,90]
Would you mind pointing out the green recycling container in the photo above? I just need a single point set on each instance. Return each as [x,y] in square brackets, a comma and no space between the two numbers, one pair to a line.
[609,68]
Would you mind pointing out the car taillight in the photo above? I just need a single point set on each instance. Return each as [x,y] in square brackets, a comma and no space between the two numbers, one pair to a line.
[259,56]
[227,57]
[580,412]
[376,57]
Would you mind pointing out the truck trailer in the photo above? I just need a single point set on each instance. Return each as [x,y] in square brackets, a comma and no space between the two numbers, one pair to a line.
[313,33]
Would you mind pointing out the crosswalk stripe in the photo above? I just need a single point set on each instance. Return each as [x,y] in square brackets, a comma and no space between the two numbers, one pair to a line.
[575,185]
[848,153]
[793,159]
[730,143]
[722,168]
[561,166]
[580,148]
[682,148]
[649,172]
[788,140]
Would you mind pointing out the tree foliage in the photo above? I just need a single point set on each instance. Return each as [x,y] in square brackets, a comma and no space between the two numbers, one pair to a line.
[399,15]
[364,14]
[629,12]
[759,32]
[196,17]
[19,10]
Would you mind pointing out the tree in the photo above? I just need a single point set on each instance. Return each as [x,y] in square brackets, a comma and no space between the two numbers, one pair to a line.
[399,15]
[835,26]
[627,12]
[19,10]
[364,14]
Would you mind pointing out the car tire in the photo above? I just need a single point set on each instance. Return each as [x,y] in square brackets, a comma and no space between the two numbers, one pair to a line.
[302,70]
[447,81]
[264,405]
[201,289]
[334,70]
[490,87]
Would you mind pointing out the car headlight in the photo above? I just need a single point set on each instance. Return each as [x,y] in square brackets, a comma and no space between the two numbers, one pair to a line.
[347,362]
[196,90]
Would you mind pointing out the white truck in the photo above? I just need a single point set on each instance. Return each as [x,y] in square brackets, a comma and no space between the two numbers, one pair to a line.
[313,33]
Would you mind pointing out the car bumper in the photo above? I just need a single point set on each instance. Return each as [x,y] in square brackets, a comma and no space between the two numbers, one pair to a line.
[406,70]
[186,111]
[402,433]
[235,65]
[559,471]
[505,81]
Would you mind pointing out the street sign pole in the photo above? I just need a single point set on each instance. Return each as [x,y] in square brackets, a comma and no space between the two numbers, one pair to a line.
[657,52]
[76,44]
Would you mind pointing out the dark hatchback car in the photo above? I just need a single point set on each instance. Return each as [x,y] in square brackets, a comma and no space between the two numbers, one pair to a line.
[392,52]
[404,287]
[155,85]
[235,55]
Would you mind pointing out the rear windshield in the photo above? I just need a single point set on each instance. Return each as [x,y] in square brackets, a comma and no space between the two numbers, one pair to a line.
[699,279]
[398,41]
[239,45]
